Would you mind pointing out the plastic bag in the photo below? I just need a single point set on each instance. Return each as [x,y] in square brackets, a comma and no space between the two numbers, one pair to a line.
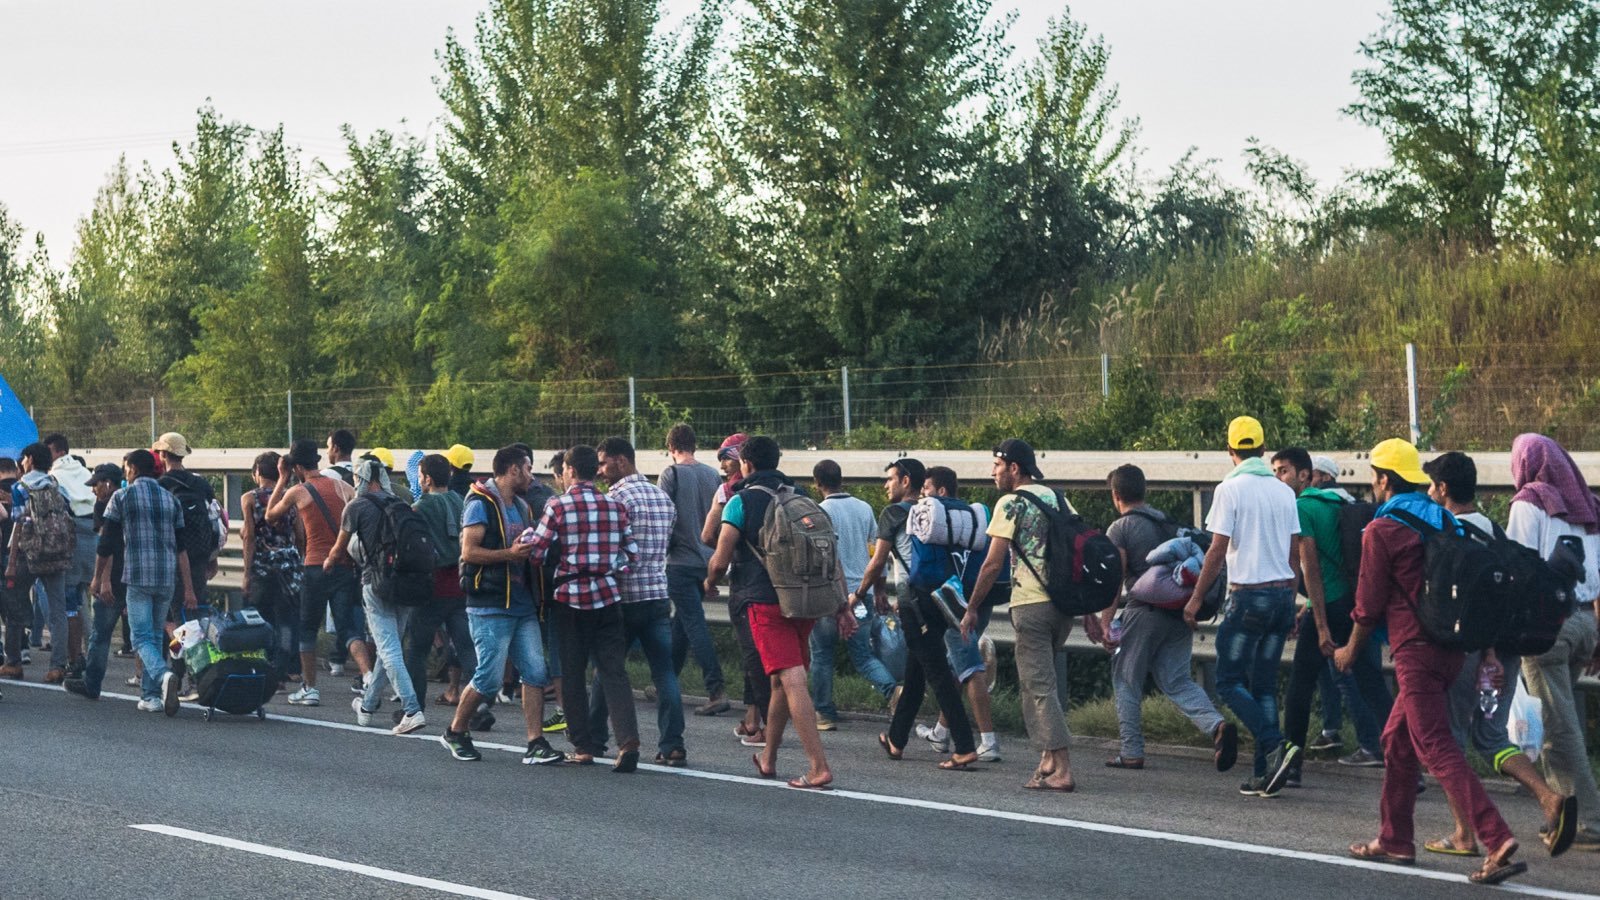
[1526,724]
[889,645]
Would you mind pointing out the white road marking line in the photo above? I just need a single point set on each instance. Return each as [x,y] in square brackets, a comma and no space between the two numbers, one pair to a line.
[432,884]
[934,805]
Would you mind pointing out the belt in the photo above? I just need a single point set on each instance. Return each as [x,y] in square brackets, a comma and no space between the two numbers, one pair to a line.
[1263,586]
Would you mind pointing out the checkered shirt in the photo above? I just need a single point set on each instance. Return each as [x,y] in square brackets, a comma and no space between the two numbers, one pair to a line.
[150,517]
[593,531]
[651,515]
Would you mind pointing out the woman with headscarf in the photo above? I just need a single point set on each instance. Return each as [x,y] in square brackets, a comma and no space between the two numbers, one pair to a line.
[1553,501]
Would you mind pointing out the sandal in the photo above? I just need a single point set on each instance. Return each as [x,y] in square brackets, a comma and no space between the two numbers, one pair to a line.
[1447,846]
[1121,762]
[1373,853]
[1039,784]
[1498,867]
[1559,839]
[444,700]
[765,773]
[677,759]
[1225,746]
[896,755]
[957,764]
[804,783]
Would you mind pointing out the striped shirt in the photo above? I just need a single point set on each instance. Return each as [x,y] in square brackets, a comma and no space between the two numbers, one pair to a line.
[596,544]
[651,516]
[150,518]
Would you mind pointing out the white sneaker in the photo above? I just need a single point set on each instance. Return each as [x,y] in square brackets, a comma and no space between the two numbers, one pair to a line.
[989,752]
[336,669]
[410,723]
[150,706]
[306,696]
[930,734]
[133,681]
[363,718]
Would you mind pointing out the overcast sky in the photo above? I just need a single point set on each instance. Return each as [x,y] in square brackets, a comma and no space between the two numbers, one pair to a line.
[82,81]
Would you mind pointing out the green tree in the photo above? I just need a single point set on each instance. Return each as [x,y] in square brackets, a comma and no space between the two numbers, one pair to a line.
[97,317]
[1557,202]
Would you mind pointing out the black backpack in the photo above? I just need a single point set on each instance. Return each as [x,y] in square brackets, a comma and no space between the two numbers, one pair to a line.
[1082,568]
[1465,599]
[197,537]
[402,563]
[1540,595]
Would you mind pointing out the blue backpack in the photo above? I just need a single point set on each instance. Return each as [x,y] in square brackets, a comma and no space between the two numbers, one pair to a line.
[931,565]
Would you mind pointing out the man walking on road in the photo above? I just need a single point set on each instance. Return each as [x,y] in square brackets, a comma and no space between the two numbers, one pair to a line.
[1253,522]
[1418,733]
[691,485]
[106,480]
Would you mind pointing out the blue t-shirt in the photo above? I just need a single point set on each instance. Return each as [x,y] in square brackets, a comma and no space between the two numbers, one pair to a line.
[477,513]
[733,512]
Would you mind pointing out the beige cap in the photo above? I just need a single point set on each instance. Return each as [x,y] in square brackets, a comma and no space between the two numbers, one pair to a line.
[173,443]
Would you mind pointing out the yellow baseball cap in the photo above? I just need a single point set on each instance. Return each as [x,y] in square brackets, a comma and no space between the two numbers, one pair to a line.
[383,455]
[1244,433]
[1401,458]
[460,456]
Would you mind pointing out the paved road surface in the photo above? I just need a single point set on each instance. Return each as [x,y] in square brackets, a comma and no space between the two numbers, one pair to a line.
[308,805]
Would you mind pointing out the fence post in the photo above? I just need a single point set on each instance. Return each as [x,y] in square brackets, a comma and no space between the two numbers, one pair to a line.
[633,415]
[844,381]
[1411,392]
[1105,375]
[152,421]
[289,407]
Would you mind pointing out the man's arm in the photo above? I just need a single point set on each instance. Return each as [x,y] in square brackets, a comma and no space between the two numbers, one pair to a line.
[1210,570]
[1311,567]
[190,601]
[284,499]
[709,534]
[473,551]
[721,558]
[872,579]
[340,552]
[1111,611]
[100,585]
[247,535]
[994,562]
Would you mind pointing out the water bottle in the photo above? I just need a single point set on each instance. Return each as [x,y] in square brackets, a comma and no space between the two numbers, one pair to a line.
[1488,697]
[1116,630]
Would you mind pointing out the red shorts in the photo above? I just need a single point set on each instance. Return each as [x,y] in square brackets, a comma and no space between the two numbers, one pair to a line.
[783,643]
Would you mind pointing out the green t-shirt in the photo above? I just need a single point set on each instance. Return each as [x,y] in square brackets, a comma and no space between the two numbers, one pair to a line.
[1319,520]
[442,512]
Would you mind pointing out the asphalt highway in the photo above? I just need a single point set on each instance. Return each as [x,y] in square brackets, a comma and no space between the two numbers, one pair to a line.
[101,800]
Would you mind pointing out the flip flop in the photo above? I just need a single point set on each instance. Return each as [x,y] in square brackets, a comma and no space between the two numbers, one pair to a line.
[1499,874]
[627,761]
[954,765]
[1560,840]
[1225,746]
[1447,847]
[756,758]
[1120,762]
[896,755]
[804,783]
[1367,852]
[1040,785]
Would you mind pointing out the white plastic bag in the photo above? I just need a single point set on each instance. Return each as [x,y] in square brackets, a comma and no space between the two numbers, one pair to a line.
[1526,724]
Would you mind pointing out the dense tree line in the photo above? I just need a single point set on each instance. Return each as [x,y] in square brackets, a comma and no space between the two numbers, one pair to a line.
[775,186]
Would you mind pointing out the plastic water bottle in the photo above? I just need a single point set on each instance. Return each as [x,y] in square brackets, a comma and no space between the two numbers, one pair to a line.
[1488,697]
[1116,631]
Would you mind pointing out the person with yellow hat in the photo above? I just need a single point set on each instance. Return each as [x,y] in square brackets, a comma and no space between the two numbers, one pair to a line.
[1418,732]
[460,456]
[1253,524]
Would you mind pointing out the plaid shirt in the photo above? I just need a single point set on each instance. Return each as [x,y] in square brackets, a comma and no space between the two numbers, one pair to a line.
[150,518]
[593,531]
[651,515]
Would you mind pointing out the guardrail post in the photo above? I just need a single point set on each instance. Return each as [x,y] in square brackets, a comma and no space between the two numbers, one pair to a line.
[289,405]
[633,415]
[844,382]
[152,421]
[1411,392]
[1105,375]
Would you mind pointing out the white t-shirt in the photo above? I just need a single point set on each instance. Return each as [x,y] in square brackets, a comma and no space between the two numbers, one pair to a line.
[1258,516]
[1536,529]
[1479,521]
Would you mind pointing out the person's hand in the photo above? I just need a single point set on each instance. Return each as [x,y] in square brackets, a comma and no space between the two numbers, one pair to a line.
[1325,642]
[1344,658]
[709,588]
[284,470]
[880,602]
[1092,629]
[520,550]
[969,623]
[846,620]
[189,600]
[102,590]
[1191,614]
[328,564]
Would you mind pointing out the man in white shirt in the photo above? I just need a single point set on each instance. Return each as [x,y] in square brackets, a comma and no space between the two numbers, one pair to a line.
[1253,522]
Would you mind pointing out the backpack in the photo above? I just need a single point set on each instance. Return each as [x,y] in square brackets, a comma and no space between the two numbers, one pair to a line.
[198,536]
[1082,568]
[932,564]
[403,561]
[1540,594]
[799,549]
[1354,516]
[46,537]
[1465,599]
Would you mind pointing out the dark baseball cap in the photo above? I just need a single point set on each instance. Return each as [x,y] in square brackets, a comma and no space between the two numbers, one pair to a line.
[911,468]
[107,472]
[1017,450]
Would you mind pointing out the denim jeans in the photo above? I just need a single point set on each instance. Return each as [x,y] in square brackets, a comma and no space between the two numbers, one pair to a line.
[649,624]
[496,636]
[451,614]
[966,659]
[1249,655]
[1160,645]
[147,613]
[824,643]
[53,600]
[689,630]
[338,590]
[387,623]
[98,654]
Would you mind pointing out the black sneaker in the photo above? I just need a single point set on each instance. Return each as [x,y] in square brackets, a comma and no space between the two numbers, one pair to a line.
[80,687]
[482,718]
[1292,780]
[1326,742]
[1255,787]
[1279,762]
[540,753]
[460,744]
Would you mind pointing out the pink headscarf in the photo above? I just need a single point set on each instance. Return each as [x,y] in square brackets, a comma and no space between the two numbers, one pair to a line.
[1546,476]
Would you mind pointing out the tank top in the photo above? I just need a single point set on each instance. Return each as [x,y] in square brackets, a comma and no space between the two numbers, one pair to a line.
[272,541]
[320,534]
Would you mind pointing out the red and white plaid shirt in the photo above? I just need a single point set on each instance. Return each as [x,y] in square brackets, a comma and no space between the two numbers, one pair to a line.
[596,544]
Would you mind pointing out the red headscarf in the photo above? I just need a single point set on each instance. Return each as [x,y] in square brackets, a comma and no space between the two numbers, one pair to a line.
[1546,477]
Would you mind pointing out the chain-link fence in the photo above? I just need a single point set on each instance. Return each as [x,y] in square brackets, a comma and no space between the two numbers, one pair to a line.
[1467,397]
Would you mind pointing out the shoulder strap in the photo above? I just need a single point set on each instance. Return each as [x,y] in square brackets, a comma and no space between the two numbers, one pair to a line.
[1414,522]
[1047,512]
[327,514]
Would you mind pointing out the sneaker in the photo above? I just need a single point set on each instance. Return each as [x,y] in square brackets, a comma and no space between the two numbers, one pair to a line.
[989,752]
[714,706]
[358,686]
[336,669]
[306,696]
[1363,759]
[133,681]
[1326,742]
[125,653]
[1256,787]
[460,745]
[363,718]
[149,706]
[930,733]
[26,656]
[1292,780]
[410,723]
[826,724]
[482,719]
[76,667]
[555,720]
[540,753]
[170,685]
[80,687]
[1279,762]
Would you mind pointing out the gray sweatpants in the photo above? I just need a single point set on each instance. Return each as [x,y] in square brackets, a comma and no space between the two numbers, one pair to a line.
[1553,677]
[1040,630]
[1157,644]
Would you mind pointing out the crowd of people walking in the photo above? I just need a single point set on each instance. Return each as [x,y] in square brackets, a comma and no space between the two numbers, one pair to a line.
[535,593]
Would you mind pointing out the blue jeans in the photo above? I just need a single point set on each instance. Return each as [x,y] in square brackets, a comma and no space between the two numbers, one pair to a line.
[496,636]
[387,623]
[965,658]
[649,624]
[1249,655]
[147,614]
[824,641]
[338,590]
[99,652]
[52,598]
[685,585]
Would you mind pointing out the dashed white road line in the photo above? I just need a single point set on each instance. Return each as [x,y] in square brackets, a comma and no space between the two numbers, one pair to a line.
[934,805]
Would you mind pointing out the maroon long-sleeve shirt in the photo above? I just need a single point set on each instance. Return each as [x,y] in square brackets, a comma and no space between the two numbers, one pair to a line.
[1390,581]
